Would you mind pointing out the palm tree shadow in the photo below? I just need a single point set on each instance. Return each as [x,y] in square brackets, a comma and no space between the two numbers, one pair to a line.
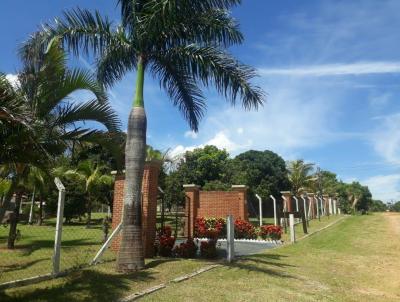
[156,262]
[20,266]
[263,263]
[35,245]
[94,285]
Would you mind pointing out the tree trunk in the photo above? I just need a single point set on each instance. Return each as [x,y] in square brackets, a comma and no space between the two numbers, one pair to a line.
[40,220]
[30,221]
[12,235]
[131,253]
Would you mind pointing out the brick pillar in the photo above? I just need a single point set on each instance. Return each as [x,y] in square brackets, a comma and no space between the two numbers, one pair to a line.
[192,192]
[287,197]
[242,195]
[149,206]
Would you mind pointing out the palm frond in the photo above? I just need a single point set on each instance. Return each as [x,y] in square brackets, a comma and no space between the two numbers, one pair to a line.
[89,111]
[79,29]
[12,105]
[230,77]
[181,88]
[118,59]
[209,27]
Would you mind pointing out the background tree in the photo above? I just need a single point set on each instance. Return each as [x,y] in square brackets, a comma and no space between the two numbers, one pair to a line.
[264,172]
[36,183]
[203,165]
[97,180]
[50,120]
[300,175]
[377,206]
[395,207]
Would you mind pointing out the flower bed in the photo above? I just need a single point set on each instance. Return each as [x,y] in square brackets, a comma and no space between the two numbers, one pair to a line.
[208,249]
[165,242]
[273,232]
[210,227]
[186,249]
[208,231]
[244,230]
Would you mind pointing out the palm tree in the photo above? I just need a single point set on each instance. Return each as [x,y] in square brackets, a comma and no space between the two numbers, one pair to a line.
[38,121]
[92,174]
[183,45]
[300,175]
[36,182]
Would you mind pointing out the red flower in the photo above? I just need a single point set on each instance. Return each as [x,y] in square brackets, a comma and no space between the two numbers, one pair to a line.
[271,231]
[244,230]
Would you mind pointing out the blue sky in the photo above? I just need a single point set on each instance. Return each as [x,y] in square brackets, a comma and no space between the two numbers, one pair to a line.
[331,70]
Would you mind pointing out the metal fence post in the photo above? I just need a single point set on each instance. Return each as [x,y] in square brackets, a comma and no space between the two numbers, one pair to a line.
[275,216]
[260,208]
[291,228]
[60,216]
[230,238]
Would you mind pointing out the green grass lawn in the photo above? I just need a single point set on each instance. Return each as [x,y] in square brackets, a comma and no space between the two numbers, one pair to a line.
[357,259]
[34,250]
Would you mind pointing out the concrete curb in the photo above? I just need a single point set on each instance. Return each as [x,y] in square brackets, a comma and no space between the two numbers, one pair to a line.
[324,228]
[141,294]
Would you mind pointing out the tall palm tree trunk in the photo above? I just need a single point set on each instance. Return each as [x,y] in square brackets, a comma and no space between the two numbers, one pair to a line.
[12,235]
[131,254]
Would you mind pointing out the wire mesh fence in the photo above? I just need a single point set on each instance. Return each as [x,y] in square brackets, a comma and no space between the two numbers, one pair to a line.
[34,246]
[32,253]
[81,242]
[173,216]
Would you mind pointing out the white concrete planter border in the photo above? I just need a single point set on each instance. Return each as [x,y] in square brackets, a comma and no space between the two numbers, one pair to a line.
[244,240]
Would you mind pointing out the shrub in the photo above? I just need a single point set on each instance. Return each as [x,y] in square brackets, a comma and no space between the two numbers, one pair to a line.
[186,249]
[208,249]
[270,231]
[244,230]
[165,242]
[212,228]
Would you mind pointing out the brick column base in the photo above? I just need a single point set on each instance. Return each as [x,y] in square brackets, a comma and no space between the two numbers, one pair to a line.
[149,206]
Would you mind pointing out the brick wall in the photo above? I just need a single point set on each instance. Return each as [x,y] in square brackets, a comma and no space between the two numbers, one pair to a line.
[149,206]
[214,204]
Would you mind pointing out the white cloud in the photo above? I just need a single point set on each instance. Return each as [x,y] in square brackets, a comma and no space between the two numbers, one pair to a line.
[384,187]
[299,114]
[360,68]
[380,100]
[386,138]
[179,150]
[191,134]
[12,78]
[222,141]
